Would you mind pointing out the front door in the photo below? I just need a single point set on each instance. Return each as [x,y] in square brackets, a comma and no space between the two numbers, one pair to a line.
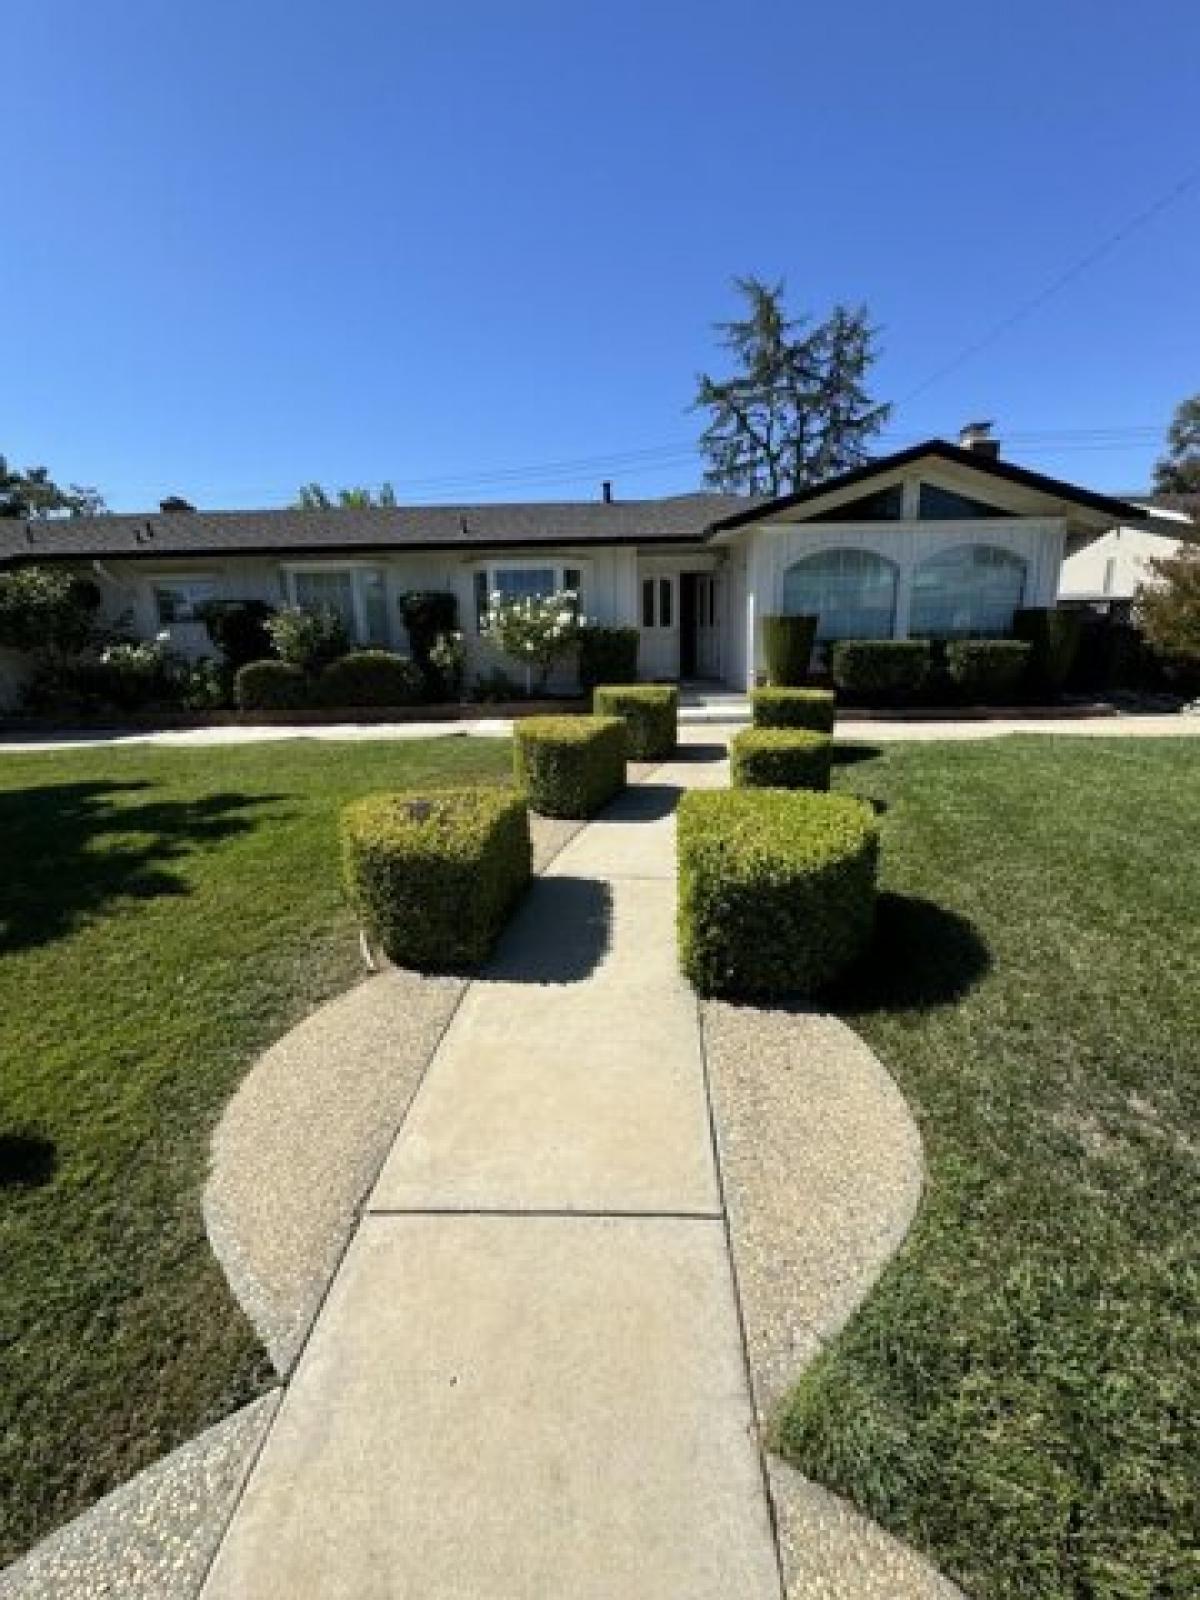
[708,625]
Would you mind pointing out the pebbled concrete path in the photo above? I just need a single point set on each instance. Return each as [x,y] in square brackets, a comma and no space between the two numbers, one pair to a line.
[529,1378]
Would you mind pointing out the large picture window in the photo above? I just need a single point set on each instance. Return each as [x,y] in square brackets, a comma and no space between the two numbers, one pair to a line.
[358,595]
[851,592]
[969,591]
[182,599]
[524,582]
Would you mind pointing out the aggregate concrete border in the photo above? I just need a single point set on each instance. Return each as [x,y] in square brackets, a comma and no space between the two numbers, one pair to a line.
[822,1170]
[154,1537]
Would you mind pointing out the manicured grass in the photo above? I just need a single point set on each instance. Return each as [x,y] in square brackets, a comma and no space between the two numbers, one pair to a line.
[1019,1397]
[163,916]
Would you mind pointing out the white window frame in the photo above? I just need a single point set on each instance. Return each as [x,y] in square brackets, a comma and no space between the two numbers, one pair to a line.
[180,580]
[356,570]
[558,564]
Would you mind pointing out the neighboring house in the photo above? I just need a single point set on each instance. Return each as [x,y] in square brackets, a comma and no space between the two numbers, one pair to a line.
[940,539]
[1107,573]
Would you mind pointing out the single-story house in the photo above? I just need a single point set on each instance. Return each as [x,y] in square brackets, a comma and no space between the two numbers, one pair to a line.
[937,540]
[1105,574]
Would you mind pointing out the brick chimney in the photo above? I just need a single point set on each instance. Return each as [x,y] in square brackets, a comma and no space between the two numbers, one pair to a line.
[977,438]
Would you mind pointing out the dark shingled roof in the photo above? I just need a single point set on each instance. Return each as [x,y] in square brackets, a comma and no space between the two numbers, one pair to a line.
[679,519]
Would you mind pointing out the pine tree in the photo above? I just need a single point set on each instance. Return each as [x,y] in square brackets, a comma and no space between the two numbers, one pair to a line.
[1178,472]
[796,410]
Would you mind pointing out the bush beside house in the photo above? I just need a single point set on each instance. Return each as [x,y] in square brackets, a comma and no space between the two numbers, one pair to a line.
[787,648]
[889,670]
[569,766]
[607,655]
[776,888]
[433,876]
[988,671]
[370,678]
[1053,637]
[650,713]
[271,686]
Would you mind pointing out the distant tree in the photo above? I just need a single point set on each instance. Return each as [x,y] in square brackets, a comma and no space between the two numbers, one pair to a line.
[796,409]
[1178,472]
[34,493]
[1168,607]
[312,497]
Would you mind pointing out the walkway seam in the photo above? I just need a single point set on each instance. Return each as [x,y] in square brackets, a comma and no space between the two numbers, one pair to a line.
[564,1214]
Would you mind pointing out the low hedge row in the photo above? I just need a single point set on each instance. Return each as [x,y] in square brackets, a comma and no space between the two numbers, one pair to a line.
[650,713]
[892,669]
[569,766]
[362,678]
[987,669]
[815,709]
[433,876]
[776,888]
[780,758]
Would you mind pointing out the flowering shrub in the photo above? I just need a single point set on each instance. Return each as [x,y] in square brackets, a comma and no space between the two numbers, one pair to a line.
[537,632]
[309,640]
[44,610]
[448,658]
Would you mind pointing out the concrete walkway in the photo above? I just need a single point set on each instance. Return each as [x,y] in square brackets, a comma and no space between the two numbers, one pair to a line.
[529,1379]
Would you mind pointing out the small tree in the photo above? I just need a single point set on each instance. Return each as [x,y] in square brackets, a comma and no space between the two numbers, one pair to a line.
[312,497]
[239,630]
[34,494]
[45,611]
[796,408]
[539,633]
[1168,607]
[1178,472]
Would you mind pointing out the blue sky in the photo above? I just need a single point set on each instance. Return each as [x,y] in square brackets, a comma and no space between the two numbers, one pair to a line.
[249,244]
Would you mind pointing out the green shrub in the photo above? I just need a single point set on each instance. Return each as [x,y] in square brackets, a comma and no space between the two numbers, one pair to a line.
[271,686]
[607,655]
[650,712]
[987,670]
[370,678]
[890,669]
[427,614]
[569,766]
[787,649]
[433,876]
[776,888]
[780,758]
[47,610]
[1054,640]
[238,628]
[309,640]
[814,709]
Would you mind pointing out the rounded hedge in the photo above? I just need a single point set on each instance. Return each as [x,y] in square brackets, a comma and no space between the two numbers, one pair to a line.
[780,758]
[787,649]
[815,709]
[271,686]
[776,888]
[433,875]
[650,712]
[990,670]
[370,678]
[569,766]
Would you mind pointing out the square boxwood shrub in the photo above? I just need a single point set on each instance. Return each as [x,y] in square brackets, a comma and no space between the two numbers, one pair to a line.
[1053,637]
[787,649]
[650,711]
[815,709]
[607,655]
[370,678]
[776,888]
[987,670]
[271,686]
[434,875]
[569,766]
[780,758]
[885,669]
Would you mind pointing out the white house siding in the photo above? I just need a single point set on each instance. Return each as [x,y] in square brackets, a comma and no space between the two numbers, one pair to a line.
[1115,565]
[772,547]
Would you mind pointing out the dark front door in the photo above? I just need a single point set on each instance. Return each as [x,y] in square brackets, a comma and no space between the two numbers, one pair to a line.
[687,624]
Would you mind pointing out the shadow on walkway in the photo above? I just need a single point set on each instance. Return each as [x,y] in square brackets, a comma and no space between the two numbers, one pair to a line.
[561,933]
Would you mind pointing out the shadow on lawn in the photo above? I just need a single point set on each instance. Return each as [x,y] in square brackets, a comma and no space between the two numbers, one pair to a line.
[850,755]
[922,956]
[67,850]
[27,1161]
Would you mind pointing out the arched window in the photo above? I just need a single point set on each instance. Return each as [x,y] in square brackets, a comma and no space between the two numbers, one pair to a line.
[851,592]
[970,591]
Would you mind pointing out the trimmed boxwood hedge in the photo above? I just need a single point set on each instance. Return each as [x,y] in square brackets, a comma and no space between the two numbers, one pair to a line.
[370,678]
[1053,636]
[893,669]
[569,766]
[787,649]
[651,713]
[433,875]
[776,888]
[271,686]
[607,655]
[815,709]
[988,670]
[780,758]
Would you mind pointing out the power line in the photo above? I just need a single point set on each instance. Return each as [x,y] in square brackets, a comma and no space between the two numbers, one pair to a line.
[1056,285]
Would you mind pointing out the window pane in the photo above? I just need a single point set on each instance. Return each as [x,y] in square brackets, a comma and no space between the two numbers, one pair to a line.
[481,599]
[884,505]
[182,599]
[523,583]
[664,603]
[647,602]
[971,590]
[374,599]
[572,582]
[852,593]
[328,591]
[936,504]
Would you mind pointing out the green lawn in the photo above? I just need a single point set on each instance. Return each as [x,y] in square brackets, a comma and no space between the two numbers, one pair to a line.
[1019,1398]
[163,916]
